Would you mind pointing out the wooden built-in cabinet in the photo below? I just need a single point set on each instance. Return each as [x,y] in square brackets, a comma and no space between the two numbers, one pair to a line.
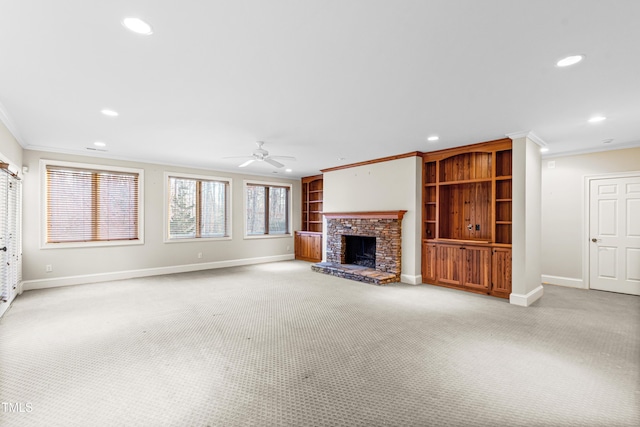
[308,246]
[308,241]
[467,218]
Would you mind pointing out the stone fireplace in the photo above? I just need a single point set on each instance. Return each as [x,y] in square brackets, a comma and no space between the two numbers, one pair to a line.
[358,238]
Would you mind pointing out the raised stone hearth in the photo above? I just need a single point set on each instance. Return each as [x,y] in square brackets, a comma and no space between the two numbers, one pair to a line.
[384,226]
[355,272]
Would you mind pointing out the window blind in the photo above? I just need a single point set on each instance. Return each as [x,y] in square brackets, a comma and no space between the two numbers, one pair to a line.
[86,205]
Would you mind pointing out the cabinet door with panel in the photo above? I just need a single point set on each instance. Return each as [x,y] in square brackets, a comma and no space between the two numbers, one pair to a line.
[429,263]
[448,265]
[501,272]
[301,247]
[477,267]
[315,250]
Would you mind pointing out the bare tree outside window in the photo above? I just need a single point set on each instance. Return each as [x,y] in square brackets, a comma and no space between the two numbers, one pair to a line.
[278,209]
[256,219]
[213,222]
[198,208]
[182,208]
[267,209]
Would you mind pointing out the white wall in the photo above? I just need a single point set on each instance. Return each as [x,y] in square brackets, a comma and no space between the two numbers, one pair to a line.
[10,150]
[390,185]
[526,285]
[563,205]
[83,265]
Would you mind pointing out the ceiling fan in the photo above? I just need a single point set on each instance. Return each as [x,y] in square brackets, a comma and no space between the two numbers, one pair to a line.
[262,155]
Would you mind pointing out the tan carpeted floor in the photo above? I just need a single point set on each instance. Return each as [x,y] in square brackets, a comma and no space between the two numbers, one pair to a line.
[276,344]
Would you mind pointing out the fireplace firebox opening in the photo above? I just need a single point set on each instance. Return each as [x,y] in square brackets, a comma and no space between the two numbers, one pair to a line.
[360,250]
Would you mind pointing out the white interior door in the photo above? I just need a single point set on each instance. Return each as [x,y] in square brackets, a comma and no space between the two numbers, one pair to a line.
[614,224]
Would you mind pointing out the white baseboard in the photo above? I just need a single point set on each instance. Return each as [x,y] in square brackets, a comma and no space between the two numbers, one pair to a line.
[411,280]
[528,299]
[28,285]
[569,282]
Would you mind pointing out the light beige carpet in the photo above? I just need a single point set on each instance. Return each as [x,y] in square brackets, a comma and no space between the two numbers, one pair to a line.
[276,344]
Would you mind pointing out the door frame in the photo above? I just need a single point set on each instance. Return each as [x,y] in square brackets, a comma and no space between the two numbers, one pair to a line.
[586,219]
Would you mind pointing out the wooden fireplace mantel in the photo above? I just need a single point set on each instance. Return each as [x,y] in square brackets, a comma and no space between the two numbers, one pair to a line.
[366,215]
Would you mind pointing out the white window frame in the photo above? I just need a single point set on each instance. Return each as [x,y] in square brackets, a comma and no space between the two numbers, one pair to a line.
[44,208]
[229,201]
[289,233]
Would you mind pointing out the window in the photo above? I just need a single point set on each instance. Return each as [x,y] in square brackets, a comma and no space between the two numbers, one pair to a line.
[267,209]
[198,207]
[91,203]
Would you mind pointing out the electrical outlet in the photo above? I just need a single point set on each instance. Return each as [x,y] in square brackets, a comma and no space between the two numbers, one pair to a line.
[199,254]
[48,268]
[288,248]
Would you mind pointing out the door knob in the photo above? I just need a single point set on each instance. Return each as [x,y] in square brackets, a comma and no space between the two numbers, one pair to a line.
[594,240]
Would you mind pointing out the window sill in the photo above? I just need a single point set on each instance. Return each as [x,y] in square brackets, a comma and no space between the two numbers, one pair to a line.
[198,239]
[267,236]
[69,245]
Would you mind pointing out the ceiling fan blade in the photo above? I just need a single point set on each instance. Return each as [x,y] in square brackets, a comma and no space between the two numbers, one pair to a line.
[238,157]
[283,158]
[274,163]
[247,163]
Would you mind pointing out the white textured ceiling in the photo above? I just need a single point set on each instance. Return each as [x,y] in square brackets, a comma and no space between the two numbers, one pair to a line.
[320,80]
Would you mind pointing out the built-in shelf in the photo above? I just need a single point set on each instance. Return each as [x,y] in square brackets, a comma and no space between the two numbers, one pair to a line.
[469,181]
[467,224]
[308,241]
[312,203]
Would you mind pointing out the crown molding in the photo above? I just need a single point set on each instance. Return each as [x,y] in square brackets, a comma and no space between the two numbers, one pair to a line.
[528,134]
[635,144]
[370,162]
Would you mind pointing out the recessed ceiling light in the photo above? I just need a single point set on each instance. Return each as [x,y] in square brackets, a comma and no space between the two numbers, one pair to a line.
[596,119]
[607,141]
[99,144]
[433,138]
[138,26]
[288,170]
[340,158]
[109,113]
[544,149]
[570,60]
